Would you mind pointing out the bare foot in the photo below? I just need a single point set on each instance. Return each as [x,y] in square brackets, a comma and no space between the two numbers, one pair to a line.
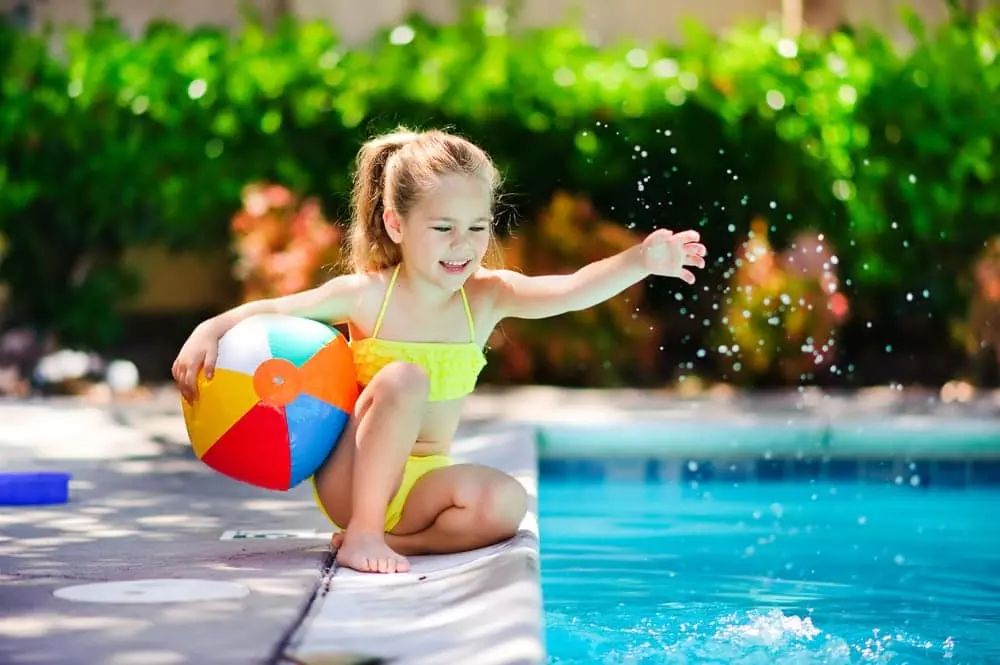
[368,553]
[398,544]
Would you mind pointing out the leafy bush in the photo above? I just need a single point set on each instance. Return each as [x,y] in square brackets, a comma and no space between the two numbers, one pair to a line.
[4,291]
[889,154]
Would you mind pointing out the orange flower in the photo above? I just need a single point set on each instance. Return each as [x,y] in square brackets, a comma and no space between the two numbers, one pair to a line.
[282,244]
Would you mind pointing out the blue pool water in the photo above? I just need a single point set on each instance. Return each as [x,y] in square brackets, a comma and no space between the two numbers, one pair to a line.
[792,573]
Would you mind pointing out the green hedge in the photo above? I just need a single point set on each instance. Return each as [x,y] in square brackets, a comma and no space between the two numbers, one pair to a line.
[108,141]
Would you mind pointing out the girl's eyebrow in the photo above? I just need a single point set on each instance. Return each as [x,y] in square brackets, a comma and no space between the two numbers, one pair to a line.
[452,220]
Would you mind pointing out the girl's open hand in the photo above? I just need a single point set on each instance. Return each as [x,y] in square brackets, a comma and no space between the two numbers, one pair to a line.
[671,254]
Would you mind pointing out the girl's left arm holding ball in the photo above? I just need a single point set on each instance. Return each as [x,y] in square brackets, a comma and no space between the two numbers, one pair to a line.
[334,301]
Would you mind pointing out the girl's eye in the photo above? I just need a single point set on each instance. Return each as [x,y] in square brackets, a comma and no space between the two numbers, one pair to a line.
[447,229]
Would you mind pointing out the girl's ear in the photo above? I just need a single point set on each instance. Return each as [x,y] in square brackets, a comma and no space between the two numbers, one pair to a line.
[393,225]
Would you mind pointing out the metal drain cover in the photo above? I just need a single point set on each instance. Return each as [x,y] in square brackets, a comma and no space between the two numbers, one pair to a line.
[153,591]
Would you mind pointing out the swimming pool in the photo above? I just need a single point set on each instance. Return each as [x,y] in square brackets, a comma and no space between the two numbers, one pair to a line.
[792,572]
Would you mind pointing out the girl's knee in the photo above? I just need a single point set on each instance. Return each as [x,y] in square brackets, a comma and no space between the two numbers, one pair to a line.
[502,505]
[401,381]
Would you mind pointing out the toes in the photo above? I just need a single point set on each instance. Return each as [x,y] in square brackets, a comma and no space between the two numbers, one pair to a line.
[391,565]
[382,560]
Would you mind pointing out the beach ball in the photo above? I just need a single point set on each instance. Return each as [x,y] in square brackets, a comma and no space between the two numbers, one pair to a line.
[279,399]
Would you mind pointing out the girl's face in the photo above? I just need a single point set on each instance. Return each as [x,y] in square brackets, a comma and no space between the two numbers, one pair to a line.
[445,236]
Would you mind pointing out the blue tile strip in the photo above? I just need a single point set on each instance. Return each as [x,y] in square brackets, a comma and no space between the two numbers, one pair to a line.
[913,472]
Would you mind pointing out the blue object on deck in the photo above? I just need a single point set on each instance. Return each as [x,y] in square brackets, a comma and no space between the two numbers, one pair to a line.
[34,488]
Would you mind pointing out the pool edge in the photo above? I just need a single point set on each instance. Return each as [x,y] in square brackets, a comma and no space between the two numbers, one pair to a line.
[927,437]
[581,422]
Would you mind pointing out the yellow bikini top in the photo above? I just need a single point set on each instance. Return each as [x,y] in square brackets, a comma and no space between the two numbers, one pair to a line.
[453,368]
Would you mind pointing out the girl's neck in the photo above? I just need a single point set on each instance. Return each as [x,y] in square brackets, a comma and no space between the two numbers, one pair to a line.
[426,293]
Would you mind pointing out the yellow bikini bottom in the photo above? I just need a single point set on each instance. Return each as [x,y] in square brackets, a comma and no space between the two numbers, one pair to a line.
[416,468]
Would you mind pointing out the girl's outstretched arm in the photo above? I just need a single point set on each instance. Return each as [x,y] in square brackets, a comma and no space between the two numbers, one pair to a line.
[661,253]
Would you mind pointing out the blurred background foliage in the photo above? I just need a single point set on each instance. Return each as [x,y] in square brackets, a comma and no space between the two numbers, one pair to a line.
[877,158]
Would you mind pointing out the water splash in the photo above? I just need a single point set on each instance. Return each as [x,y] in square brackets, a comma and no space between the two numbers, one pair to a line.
[752,637]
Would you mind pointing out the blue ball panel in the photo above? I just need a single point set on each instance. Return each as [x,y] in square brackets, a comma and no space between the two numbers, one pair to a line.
[297,339]
[313,430]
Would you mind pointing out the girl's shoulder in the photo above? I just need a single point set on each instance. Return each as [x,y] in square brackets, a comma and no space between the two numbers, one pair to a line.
[369,282]
[485,282]
[486,286]
[490,282]
[369,289]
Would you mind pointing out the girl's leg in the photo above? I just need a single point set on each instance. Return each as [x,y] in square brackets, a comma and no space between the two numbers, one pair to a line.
[356,484]
[456,509]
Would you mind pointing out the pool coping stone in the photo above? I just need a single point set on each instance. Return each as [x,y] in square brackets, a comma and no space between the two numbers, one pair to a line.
[608,424]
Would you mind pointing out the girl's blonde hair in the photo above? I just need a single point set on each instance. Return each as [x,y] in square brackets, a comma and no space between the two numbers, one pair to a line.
[396,170]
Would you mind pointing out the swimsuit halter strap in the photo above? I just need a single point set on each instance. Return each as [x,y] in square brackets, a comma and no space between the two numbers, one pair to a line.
[385,303]
[385,300]
[468,317]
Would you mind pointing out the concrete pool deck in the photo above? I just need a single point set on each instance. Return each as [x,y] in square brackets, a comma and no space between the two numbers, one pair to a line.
[143,508]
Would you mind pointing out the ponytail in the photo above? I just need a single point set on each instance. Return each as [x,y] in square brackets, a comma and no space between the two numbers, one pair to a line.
[371,248]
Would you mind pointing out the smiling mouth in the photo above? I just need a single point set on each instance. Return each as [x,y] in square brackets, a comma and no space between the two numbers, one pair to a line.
[455,266]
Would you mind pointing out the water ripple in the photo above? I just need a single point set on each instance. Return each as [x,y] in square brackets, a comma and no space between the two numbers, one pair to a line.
[785,574]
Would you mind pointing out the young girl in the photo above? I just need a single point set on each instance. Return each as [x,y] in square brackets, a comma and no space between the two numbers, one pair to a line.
[419,306]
